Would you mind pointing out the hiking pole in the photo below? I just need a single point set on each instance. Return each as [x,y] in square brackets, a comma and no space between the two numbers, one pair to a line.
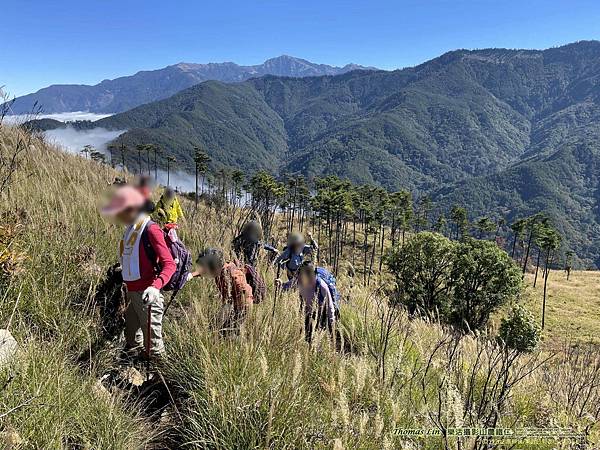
[148,331]
[170,301]
[276,290]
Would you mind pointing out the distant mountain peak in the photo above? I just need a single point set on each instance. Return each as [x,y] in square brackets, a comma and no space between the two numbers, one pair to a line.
[121,94]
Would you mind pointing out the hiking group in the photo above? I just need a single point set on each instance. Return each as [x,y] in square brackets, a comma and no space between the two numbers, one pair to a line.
[154,260]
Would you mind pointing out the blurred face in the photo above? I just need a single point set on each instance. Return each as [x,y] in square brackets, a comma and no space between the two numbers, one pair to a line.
[127,216]
[201,270]
[205,271]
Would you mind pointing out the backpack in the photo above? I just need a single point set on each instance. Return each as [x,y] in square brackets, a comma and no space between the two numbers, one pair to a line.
[329,280]
[181,255]
[256,282]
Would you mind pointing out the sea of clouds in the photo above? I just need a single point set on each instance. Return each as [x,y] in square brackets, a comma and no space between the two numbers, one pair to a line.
[73,140]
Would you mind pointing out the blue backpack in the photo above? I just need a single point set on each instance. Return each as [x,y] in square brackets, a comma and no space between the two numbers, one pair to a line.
[329,280]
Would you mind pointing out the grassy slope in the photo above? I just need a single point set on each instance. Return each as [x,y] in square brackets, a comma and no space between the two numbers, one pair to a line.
[572,307]
[267,388]
[48,309]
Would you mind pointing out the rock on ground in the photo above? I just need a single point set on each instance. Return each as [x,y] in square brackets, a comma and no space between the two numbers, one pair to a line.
[8,347]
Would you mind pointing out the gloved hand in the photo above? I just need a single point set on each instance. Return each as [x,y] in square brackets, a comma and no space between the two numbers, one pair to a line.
[151,296]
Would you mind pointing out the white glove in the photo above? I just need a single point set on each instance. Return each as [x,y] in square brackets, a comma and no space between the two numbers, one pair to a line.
[151,296]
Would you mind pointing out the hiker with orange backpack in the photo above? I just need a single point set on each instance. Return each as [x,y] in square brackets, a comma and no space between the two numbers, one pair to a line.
[146,269]
[235,291]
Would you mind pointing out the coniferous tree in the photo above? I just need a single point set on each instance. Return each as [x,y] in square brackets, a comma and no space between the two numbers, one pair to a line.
[171,161]
[440,225]
[550,242]
[111,151]
[157,151]
[97,156]
[237,179]
[123,149]
[485,225]
[518,228]
[530,227]
[458,215]
[86,151]
[569,262]
[201,160]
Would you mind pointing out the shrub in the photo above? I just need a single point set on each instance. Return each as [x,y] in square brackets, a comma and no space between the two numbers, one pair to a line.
[519,330]
[483,279]
[462,283]
[422,268]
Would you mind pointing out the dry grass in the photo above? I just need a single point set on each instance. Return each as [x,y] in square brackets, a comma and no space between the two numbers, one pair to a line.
[572,306]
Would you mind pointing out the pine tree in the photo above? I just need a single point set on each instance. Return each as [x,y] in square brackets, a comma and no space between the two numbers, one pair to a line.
[550,242]
[459,217]
[171,161]
[201,160]
[518,228]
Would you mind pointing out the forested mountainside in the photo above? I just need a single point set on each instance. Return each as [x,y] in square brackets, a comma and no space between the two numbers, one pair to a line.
[499,130]
[464,114]
[121,94]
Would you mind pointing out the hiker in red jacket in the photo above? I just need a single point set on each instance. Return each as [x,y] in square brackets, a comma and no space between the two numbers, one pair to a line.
[145,310]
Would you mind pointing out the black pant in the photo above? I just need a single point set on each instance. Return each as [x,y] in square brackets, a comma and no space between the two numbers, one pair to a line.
[322,323]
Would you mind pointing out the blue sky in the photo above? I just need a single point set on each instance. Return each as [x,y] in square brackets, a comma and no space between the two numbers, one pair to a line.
[65,41]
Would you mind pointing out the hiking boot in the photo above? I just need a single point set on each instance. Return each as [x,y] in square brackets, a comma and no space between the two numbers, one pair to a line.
[129,355]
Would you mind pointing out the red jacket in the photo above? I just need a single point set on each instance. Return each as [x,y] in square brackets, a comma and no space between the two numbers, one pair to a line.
[164,260]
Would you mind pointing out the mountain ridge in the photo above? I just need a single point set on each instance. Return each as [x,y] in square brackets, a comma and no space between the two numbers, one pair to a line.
[477,127]
[126,92]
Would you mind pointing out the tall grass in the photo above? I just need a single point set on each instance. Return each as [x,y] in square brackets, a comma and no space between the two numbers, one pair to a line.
[48,399]
[266,388]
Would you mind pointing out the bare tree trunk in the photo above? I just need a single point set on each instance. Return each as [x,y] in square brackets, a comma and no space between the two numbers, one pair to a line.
[545,289]
[373,255]
[196,192]
[537,266]
[382,244]
[353,239]
[514,246]
[366,251]
[527,252]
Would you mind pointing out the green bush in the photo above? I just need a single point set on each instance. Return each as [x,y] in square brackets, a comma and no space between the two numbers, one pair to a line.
[483,279]
[462,283]
[422,268]
[519,330]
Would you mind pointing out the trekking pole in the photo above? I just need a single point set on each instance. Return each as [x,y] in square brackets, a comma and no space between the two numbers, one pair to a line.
[148,331]
[170,301]
[276,290]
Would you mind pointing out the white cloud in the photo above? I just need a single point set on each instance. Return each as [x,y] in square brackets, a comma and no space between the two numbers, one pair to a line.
[62,117]
[73,140]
